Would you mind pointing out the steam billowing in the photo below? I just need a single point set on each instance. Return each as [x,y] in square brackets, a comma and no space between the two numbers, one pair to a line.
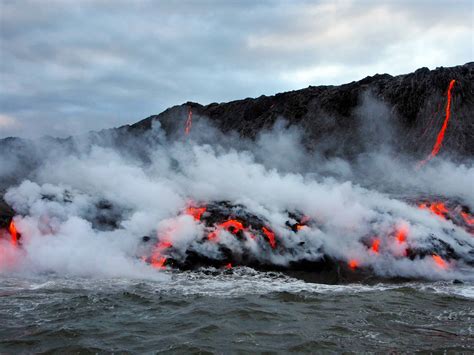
[84,209]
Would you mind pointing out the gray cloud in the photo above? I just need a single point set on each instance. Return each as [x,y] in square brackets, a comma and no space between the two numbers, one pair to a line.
[67,67]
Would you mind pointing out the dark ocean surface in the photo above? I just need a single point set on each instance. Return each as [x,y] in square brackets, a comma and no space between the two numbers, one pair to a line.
[239,310]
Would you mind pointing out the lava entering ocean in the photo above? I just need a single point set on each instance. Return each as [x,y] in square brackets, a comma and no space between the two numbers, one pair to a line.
[224,201]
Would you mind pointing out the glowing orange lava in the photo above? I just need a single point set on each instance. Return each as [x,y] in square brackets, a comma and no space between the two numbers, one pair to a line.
[467,218]
[438,208]
[439,139]
[299,227]
[13,233]
[212,235]
[189,122]
[228,266]
[401,234]
[271,237]
[353,264]
[157,260]
[232,226]
[375,245]
[196,212]
[440,261]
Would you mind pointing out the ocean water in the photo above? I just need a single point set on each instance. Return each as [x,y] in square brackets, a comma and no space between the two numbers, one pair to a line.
[237,310]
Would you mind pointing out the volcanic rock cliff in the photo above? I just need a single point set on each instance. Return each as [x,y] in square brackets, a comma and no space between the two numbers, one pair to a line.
[416,102]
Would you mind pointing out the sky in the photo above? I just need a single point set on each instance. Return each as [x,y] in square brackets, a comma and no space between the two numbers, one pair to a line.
[67,67]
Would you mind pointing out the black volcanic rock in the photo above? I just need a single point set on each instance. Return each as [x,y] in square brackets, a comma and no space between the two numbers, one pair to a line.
[416,101]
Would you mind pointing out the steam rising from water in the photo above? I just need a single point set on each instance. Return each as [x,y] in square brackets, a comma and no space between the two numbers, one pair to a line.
[148,182]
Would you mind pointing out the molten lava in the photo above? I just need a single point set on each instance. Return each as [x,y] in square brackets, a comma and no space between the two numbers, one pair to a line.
[375,245]
[353,264]
[438,208]
[232,226]
[439,139]
[13,233]
[196,212]
[189,122]
[440,261]
[467,218]
[157,259]
[401,234]
[271,237]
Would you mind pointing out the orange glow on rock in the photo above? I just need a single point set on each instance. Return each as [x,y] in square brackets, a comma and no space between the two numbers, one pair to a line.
[13,233]
[271,237]
[228,266]
[440,261]
[440,137]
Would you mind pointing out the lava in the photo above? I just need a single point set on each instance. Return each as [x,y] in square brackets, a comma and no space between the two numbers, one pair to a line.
[196,212]
[439,139]
[469,219]
[232,226]
[353,264]
[13,233]
[375,245]
[438,208]
[271,237]
[440,261]
[157,259]
[401,234]
[189,122]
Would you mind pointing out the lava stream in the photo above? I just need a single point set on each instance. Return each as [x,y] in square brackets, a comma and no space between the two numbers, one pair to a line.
[439,139]
[189,122]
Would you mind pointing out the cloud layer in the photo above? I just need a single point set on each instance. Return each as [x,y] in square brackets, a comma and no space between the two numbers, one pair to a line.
[68,67]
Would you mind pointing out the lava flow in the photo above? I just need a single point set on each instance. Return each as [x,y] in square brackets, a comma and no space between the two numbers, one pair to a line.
[196,212]
[13,233]
[440,261]
[271,237]
[157,259]
[439,139]
[469,219]
[375,246]
[189,122]
[438,208]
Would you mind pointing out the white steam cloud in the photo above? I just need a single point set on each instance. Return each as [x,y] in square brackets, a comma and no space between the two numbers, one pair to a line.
[147,183]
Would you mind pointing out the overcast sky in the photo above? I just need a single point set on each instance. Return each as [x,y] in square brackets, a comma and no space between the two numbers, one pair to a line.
[73,66]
